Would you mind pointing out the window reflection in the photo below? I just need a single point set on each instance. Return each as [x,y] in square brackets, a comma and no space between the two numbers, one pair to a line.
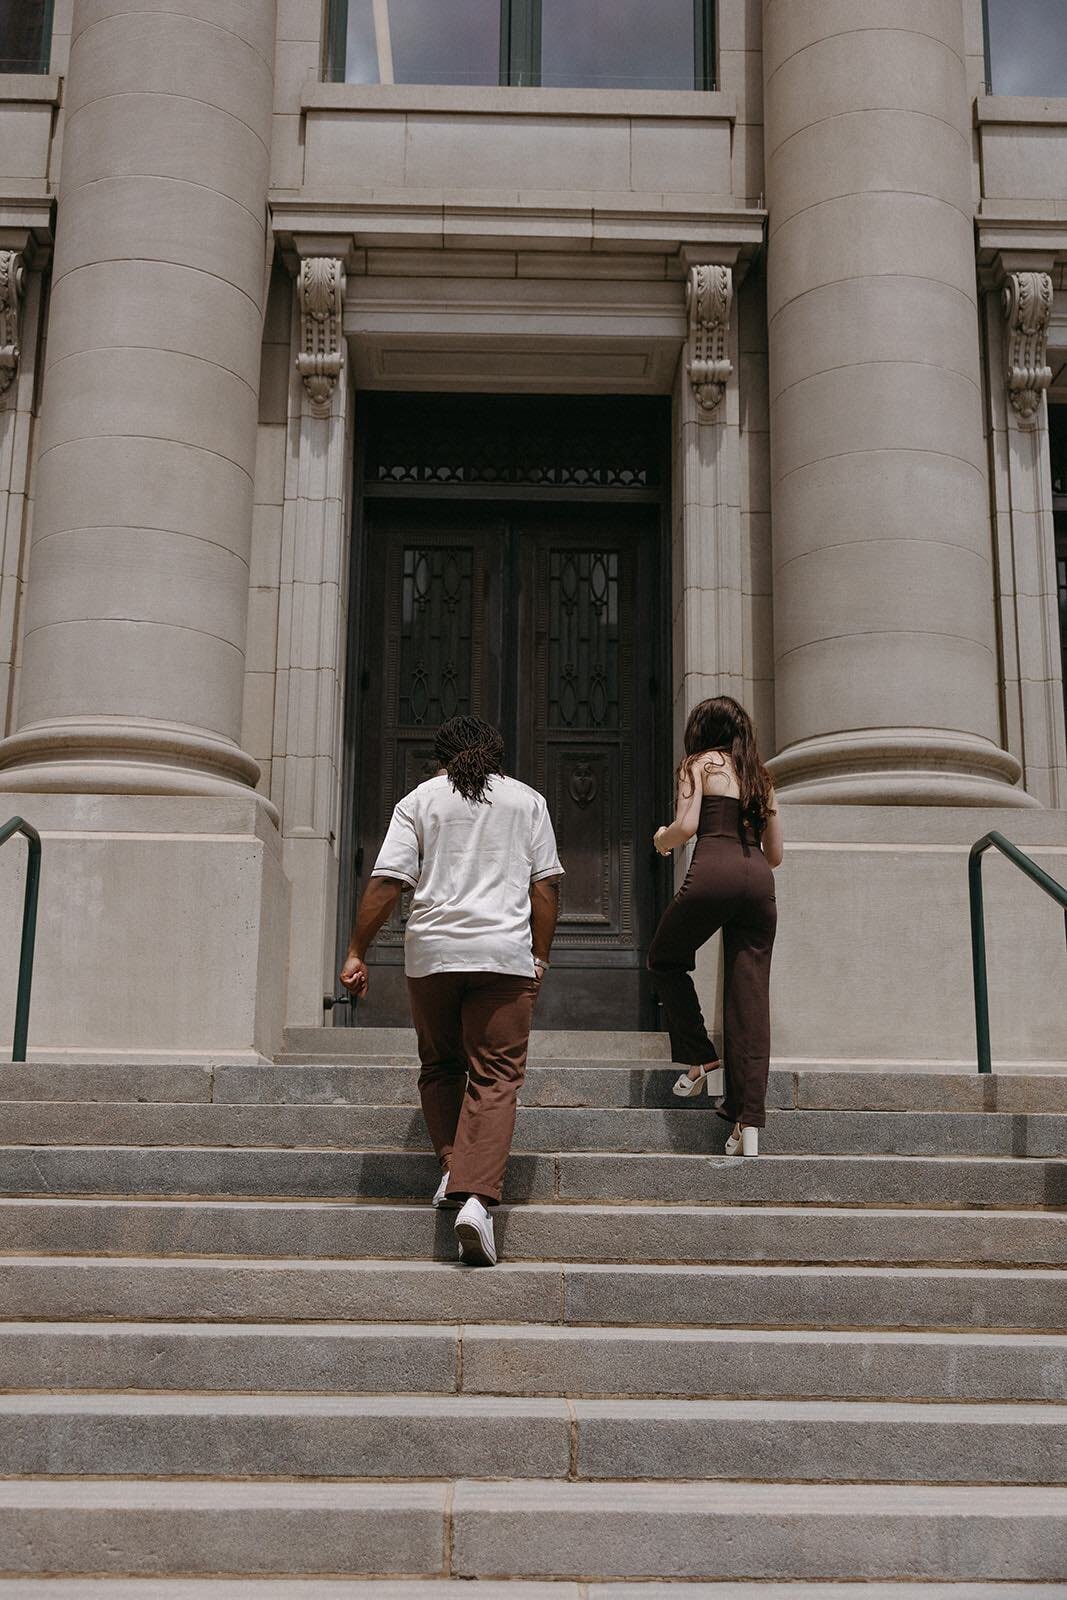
[25,35]
[617,44]
[412,41]
[1027,47]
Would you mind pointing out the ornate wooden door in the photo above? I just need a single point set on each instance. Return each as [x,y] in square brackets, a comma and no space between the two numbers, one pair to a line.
[586,737]
[539,619]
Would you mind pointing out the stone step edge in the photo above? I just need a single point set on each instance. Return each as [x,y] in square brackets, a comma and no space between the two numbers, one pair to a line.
[595,1208]
[467,1528]
[801,1409]
[94,1587]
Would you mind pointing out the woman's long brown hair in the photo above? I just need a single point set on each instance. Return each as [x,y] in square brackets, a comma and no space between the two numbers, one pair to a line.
[723,724]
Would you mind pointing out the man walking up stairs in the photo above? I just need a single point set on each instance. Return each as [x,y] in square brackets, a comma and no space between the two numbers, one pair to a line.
[237,1357]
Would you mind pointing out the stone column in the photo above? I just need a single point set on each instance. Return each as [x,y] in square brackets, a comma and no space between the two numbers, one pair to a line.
[131,678]
[885,647]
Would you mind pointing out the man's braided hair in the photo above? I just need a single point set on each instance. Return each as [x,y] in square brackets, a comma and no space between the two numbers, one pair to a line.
[470,751]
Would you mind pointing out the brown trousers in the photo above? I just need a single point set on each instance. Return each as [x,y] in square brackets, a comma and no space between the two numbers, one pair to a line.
[474,1032]
[729,886]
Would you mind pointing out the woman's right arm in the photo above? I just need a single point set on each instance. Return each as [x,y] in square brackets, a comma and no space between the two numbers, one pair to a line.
[687,812]
[772,841]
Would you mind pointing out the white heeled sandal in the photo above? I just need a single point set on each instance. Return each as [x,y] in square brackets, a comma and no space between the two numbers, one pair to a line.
[686,1087]
[743,1140]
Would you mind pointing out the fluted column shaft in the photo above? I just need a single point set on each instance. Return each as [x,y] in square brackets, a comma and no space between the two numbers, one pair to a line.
[134,639]
[886,665]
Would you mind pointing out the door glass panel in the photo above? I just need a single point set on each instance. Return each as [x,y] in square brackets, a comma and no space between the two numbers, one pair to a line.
[618,44]
[1027,46]
[25,35]
[423,41]
[435,636]
[583,651]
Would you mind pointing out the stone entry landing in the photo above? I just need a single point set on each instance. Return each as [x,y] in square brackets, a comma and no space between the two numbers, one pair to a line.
[238,1358]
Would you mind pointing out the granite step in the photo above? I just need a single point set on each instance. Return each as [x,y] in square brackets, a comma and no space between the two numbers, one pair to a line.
[928,1181]
[495,1359]
[501,1589]
[536,1529]
[690,1129]
[256,1436]
[559,1083]
[668,1234]
[81,1288]
[570,1044]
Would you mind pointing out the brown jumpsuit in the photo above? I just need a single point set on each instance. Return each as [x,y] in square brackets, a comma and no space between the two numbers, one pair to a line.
[730,886]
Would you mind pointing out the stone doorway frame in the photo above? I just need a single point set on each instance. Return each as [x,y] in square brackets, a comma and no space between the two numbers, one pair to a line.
[609,325]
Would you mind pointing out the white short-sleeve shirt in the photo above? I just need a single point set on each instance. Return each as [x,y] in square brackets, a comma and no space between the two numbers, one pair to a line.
[471,866]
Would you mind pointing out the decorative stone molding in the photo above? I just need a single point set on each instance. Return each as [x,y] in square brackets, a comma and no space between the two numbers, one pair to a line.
[11,281]
[321,287]
[709,299]
[1027,304]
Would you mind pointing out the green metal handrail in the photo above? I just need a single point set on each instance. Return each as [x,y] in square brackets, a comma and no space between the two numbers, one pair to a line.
[978,961]
[29,929]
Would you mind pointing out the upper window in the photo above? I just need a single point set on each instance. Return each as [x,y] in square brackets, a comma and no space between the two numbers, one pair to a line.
[598,44]
[1026,47]
[25,35]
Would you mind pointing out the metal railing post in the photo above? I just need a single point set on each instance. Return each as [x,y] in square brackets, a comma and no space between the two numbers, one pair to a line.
[29,929]
[978,960]
[1036,874]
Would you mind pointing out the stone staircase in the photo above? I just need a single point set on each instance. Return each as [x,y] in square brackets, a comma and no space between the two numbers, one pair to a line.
[237,1356]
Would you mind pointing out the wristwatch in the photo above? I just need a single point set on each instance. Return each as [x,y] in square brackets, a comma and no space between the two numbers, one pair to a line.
[544,965]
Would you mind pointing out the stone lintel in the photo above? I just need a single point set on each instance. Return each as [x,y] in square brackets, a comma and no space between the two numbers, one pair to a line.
[708,229]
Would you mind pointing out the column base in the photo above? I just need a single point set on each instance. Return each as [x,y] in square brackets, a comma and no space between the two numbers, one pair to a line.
[100,757]
[899,767]
[162,932]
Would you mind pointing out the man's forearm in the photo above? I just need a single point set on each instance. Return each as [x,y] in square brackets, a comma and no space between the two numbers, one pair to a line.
[375,909]
[544,910]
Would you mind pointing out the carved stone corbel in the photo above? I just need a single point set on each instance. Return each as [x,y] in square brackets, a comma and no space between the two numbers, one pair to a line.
[321,287]
[11,281]
[709,298]
[1027,304]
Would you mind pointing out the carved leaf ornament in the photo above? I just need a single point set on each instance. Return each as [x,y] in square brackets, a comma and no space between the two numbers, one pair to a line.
[11,282]
[1028,308]
[321,288]
[709,300]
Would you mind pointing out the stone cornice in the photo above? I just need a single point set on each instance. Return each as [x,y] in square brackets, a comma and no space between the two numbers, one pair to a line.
[708,228]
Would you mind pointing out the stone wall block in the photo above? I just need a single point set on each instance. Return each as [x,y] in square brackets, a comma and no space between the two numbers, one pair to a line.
[147,670]
[873,151]
[155,393]
[92,573]
[792,26]
[175,136]
[145,483]
[252,23]
[130,218]
[895,318]
[872,234]
[859,406]
[840,677]
[518,152]
[850,73]
[948,494]
[159,306]
[871,577]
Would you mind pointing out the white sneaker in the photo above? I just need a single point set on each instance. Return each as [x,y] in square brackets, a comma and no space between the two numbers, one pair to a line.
[474,1231]
[441,1200]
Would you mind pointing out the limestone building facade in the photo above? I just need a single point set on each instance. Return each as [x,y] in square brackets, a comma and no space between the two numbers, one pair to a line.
[361,362]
